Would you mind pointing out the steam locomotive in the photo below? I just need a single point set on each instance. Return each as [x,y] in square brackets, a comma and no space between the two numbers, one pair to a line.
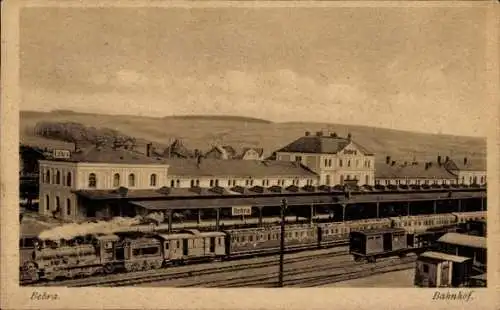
[134,251]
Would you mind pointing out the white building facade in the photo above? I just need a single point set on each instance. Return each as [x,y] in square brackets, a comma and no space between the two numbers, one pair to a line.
[333,158]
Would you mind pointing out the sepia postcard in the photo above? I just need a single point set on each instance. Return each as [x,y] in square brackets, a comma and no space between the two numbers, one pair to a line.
[249,155]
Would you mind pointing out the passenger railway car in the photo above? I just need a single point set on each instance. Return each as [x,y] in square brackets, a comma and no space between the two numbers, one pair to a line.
[435,269]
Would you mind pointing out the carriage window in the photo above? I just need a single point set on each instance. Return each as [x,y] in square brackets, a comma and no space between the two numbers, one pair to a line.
[178,244]
[269,237]
[166,245]
[250,238]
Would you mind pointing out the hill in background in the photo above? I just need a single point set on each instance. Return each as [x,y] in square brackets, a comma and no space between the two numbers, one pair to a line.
[202,132]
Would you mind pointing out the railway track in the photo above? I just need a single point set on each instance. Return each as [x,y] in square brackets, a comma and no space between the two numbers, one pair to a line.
[128,279]
[308,276]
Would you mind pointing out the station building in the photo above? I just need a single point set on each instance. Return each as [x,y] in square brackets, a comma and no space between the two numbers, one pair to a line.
[104,169]
[335,159]
[414,173]
[446,171]
[467,171]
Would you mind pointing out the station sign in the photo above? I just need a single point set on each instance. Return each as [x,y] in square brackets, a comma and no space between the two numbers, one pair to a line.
[63,154]
[239,211]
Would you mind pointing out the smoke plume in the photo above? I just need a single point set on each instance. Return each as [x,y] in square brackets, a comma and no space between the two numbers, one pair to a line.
[70,231]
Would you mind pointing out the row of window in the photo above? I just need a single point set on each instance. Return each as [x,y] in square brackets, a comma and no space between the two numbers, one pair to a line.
[473,180]
[248,182]
[366,163]
[343,178]
[92,180]
[57,178]
[416,182]
[57,204]
[272,236]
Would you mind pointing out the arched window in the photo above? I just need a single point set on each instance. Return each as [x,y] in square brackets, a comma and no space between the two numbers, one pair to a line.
[68,179]
[192,183]
[47,202]
[47,177]
[131,180]
[172,183]
[92,180]
[116,180]
[58,204]
[340,163]
[152,180]
[216,183]
[348,163]
[178,183]
[197,182]
[211,183]
[68,206]
[58,177]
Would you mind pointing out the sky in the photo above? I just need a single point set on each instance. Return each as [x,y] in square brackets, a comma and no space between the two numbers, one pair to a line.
[417,69]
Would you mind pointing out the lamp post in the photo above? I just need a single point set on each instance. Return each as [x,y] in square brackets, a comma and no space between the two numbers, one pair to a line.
[282,241]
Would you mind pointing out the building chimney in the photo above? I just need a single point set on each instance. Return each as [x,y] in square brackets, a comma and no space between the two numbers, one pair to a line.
[387,159]
[349,136]
[439,160]
[465,160]
[319,133]
[148,149]
[198,161]
[307,133]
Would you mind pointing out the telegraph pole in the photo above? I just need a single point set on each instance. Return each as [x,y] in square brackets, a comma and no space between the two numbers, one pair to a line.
[282,243]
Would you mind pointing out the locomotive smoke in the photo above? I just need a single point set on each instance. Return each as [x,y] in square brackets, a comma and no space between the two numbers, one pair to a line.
[70,231]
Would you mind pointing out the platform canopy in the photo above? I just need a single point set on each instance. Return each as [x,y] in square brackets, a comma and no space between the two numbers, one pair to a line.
[464,240]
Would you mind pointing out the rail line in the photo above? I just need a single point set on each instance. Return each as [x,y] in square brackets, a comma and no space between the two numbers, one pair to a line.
[301,276]
[126,279]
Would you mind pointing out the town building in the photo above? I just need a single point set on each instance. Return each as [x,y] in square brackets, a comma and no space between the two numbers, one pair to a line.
[109,169]
[228,152]
[335,159]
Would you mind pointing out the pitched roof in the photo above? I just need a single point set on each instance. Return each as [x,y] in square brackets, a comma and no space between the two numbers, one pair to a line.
[236,168]
[416,170]
[444,256]
[466,165]
[106,154]
[321,145]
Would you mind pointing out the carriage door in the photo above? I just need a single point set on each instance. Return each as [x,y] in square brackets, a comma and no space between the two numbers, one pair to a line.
[387,242]
[185,248]
[445,274]
[212,244]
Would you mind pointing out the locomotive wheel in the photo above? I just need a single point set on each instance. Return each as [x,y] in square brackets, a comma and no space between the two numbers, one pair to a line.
[109,268]
[31,270]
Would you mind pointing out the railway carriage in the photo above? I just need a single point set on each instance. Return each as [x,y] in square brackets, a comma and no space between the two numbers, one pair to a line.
[372,244]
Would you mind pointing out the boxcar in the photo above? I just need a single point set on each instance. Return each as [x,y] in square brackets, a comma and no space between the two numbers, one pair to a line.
[435,269]
[376,243]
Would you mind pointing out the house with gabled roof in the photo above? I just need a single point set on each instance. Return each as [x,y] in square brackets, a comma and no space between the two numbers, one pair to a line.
[335,159]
